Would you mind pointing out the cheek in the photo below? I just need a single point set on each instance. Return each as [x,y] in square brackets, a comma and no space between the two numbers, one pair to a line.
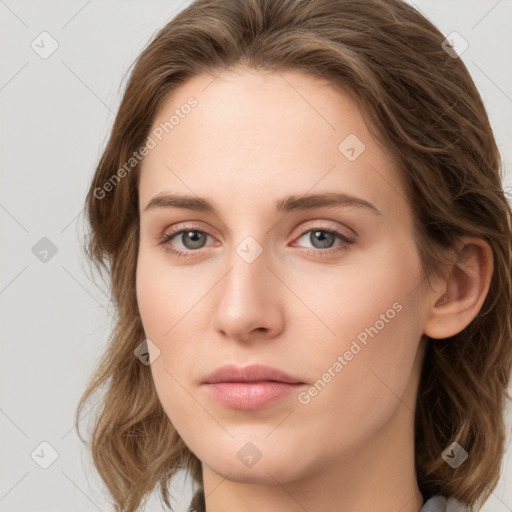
[368,314]
[149,296]
[350,297]
[172,314]
[161,307]
[160,292]
[375,316]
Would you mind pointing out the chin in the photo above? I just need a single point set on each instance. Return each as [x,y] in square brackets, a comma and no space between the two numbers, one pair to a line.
[260,474]
[271,462]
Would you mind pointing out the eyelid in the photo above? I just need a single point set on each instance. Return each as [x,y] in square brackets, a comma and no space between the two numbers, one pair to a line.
[189,225]
[322,225]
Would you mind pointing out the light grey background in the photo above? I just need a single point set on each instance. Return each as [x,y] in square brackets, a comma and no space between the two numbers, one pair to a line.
[56,116]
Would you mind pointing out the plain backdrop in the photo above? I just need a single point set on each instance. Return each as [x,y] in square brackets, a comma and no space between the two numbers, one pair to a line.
[57,111]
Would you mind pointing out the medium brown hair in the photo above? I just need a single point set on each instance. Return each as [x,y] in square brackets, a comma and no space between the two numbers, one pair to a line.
[423,105]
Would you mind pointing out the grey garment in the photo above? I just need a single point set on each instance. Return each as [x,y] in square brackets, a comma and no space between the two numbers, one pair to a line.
[442,504]
[434,504]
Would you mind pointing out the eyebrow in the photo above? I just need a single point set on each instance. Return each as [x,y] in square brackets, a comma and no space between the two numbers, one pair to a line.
[286,204]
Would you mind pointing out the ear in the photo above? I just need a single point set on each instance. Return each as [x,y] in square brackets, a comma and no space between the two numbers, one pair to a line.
[458,298]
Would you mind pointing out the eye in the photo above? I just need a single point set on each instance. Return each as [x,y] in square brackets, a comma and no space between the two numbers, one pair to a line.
[192,239]
[322,239]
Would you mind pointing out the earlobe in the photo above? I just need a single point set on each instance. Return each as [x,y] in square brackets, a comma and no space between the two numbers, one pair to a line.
[459,298]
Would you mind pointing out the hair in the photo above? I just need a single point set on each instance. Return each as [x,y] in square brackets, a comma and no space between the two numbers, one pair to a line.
[423,105]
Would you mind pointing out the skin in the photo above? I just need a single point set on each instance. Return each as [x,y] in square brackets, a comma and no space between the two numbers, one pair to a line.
[252,139]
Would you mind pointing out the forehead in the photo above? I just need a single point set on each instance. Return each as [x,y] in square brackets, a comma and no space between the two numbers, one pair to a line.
[270,132]
[262,103]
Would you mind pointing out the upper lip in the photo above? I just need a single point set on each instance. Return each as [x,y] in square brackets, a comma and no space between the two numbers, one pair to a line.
[252,373]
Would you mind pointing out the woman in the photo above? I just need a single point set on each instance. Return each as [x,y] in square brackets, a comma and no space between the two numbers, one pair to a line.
[301,210]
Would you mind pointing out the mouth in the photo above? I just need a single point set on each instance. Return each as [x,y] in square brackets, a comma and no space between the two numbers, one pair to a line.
[249,388]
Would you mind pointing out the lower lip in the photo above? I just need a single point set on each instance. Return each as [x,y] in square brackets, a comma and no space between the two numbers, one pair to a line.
[250,395]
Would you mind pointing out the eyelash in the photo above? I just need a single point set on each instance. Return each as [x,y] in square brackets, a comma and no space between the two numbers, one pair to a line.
[167,237]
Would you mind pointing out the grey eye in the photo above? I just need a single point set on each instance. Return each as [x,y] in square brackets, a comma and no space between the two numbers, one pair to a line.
[193,239]
[320,238]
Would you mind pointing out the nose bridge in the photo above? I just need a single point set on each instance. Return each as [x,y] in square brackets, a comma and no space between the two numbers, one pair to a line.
[248,243]
[248,263]
[246,298]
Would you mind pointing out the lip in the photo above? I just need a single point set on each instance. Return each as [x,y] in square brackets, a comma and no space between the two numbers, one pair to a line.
[252,373]
[250,387]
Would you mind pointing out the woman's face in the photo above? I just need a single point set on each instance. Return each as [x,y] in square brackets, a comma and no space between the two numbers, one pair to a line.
[326,291]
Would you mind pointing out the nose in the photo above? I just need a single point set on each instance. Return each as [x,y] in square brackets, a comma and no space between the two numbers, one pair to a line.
[249,305]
